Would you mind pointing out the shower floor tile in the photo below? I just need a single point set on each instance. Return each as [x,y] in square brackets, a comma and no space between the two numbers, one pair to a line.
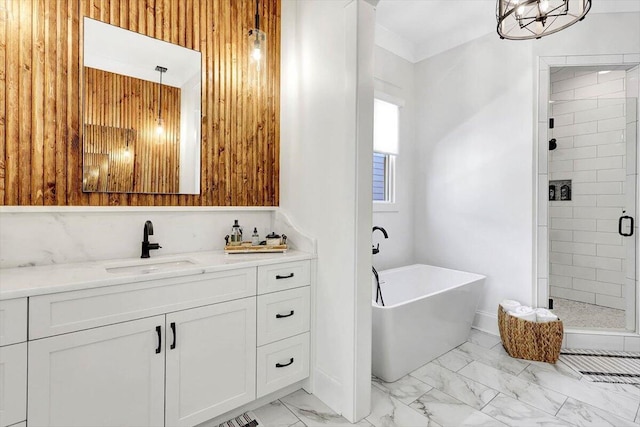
[576,314]
[488,389]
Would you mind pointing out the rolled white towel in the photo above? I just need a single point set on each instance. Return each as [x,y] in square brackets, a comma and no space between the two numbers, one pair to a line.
[543,315]
[524,312]
[509,304]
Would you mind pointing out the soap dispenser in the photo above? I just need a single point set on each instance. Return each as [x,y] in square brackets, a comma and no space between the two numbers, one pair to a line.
[236,234]
[255,237]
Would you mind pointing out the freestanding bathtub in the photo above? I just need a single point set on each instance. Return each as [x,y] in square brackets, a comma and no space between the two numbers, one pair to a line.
[428,311]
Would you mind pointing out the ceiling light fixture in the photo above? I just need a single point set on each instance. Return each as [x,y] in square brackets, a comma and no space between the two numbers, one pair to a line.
[257,40]
[162,70]
[533,19]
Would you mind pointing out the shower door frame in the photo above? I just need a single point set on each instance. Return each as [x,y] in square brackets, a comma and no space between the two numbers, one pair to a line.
[600,339]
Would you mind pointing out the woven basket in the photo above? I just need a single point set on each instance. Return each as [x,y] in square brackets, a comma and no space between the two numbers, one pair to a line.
[530,340]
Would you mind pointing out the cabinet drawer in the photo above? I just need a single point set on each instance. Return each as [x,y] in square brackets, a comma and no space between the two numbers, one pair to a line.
[287,275]
[282,363]
[72,311]
[13,384]
[13,321]
[283,314]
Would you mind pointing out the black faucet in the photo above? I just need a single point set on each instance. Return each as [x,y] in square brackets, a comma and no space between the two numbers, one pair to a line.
[378,290]
[146,246]
[376,249]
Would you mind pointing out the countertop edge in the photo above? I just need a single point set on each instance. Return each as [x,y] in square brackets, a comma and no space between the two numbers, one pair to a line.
[24,282]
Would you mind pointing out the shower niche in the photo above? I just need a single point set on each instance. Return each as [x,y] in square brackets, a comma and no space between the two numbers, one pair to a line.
[560,190]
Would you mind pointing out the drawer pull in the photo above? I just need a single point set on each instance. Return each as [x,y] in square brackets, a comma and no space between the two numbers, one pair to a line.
[288,276]
[175,335]
[159,332]
[280,316]
[280,365]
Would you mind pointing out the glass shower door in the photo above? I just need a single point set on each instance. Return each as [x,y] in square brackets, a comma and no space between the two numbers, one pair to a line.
[593,188]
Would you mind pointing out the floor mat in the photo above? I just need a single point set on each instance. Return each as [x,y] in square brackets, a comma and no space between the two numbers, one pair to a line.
[604,366]
[248,419]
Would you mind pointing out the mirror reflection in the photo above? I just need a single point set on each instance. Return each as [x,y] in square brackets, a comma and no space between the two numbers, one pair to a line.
[141,113]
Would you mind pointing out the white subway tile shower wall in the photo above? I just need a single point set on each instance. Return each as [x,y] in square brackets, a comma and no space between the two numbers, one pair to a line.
[587,256]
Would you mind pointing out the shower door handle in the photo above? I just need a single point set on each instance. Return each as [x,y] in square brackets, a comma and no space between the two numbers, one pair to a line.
[622,218]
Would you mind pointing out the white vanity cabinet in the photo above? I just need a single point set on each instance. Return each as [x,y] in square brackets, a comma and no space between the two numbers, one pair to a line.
[175,351]
[116,374]
[13,361]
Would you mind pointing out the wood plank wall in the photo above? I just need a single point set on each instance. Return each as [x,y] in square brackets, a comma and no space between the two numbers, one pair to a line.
[40,91]
[120,118]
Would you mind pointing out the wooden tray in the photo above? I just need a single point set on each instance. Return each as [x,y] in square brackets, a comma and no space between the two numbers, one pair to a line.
[249,249]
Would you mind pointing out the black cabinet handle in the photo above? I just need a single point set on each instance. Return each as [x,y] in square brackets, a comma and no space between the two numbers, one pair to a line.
[280,365]
[159,332]
[175,336]
[288,276]
[280,316]
[622,218]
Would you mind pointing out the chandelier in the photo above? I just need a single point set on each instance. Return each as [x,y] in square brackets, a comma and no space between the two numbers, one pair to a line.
[533,19]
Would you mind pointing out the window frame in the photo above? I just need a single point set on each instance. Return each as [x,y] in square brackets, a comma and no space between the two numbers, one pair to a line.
[391,203]
[389,177]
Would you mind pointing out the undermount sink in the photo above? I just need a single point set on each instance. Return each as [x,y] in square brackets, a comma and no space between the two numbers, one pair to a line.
[146,267]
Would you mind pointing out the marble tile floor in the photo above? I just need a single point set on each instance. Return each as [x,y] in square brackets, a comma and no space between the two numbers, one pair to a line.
[575,314]
[475,384]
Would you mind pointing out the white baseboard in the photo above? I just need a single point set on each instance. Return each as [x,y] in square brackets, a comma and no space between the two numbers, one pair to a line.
[328,389]
[486,322]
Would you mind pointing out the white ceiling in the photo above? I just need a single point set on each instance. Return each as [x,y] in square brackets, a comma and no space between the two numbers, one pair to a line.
[418,29]
[104,49]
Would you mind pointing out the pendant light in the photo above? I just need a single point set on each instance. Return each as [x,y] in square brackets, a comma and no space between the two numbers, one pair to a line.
[159,128]
[533,19]
[257,40]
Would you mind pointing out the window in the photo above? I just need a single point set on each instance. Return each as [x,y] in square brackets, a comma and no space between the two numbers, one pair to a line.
[385,149]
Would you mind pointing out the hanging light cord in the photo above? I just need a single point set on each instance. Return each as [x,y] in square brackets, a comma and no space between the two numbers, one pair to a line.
[161,70]
[160,101]
[257,16]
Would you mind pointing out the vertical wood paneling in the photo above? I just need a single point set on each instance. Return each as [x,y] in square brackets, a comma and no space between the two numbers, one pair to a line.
[24,111]
[74,146]
[41,114]
[37,87]
[59,186]
[50,75]
[3,99]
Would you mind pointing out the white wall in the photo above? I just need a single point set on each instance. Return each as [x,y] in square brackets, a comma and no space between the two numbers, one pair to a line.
[475,129]
[394,77]
[474,208]
[326,156]
[190,136]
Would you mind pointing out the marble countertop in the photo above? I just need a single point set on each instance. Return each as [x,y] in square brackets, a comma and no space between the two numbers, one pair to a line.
[39,280]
